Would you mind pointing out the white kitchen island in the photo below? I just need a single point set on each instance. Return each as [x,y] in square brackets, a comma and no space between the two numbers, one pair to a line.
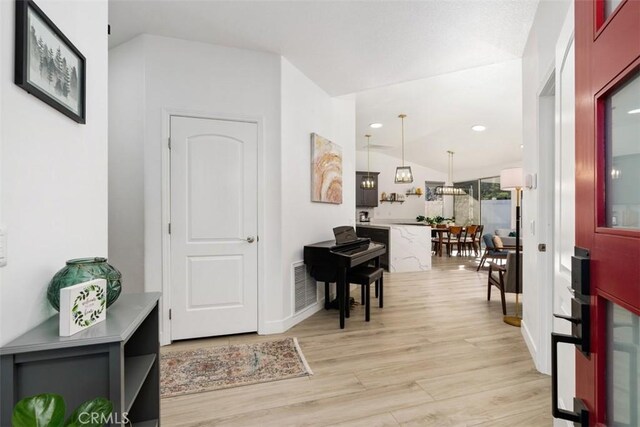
[409,246]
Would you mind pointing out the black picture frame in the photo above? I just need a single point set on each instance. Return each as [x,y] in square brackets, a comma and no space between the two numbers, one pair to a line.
[62,62]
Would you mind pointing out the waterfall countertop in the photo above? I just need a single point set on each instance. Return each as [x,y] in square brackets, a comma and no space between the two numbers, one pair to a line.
[390,224]
[409,245]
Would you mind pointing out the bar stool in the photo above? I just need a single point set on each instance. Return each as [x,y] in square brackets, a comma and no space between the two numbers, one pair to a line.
[365,276]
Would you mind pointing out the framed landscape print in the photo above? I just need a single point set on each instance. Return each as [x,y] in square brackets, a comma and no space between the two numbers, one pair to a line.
[326,170]
[47,64]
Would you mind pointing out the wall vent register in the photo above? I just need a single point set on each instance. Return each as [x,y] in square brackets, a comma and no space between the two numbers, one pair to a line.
[306,290]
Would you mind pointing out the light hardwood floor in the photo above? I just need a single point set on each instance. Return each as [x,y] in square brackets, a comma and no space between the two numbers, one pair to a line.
[437,354]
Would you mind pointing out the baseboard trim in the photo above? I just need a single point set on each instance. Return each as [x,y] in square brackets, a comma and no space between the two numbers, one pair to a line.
[531,345]
[280,326]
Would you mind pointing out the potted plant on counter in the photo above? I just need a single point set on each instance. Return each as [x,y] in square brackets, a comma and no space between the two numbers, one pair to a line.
[436,220]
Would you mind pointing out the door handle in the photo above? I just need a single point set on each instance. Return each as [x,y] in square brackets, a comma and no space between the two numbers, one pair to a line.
[580,337]
[575,320]
[580,324]
[250,239]
[580,413]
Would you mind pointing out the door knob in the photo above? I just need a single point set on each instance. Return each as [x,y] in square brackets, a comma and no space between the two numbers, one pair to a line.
[250,239]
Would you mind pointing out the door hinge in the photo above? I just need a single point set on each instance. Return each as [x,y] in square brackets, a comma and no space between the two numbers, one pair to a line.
[169,143]
[169,314]
[169,228]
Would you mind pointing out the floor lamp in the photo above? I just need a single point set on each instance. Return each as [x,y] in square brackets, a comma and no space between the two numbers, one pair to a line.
[511,179]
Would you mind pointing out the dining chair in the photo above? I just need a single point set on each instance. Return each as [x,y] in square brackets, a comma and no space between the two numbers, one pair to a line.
[469,239]
[453,237]
[435,240]
[477,243]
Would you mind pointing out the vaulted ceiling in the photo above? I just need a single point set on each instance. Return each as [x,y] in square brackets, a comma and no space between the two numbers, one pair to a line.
[441,111]
[448,64]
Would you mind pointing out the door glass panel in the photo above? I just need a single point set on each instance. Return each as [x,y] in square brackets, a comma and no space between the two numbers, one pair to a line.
[610,6]
[623,359]
[622,123]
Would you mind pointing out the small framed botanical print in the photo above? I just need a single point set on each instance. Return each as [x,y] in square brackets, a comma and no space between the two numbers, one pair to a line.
[82,306]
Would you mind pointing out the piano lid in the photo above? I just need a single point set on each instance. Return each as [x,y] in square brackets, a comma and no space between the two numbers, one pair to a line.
[331,244]
[344,235]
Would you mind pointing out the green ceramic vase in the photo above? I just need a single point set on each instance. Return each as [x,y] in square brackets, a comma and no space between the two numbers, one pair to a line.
[82,270]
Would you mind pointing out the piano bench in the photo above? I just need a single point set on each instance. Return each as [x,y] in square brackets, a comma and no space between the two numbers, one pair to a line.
[365,276]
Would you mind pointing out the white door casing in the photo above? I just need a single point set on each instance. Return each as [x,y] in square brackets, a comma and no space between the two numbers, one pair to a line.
[214,267]
[543,226]
[564,204]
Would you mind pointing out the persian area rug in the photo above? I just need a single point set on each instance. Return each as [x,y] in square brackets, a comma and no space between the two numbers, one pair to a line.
[214,368]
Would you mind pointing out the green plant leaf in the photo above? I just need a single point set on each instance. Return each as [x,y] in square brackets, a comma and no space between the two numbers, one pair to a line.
[92,413]
[43,410]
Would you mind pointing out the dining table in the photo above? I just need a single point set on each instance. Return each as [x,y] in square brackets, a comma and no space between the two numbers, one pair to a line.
[441,231]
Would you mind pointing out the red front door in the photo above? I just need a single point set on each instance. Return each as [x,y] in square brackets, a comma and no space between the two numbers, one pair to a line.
[607,37]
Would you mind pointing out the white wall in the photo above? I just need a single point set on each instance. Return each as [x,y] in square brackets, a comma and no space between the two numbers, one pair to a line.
[224,82]
[126,157]
[481,171]
[386,165]
[413,205]
[54,170]
[200,78]
[305,109]
[538,61]
[3,76]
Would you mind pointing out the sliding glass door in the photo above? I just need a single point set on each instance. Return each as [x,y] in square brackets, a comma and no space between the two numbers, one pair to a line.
[466,207]
[495,205]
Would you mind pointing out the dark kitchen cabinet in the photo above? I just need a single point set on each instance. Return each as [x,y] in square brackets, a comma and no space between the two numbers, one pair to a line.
[366,198]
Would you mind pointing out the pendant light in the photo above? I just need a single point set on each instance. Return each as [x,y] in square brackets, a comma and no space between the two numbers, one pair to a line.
[403,173]
[450,190]
[368,183]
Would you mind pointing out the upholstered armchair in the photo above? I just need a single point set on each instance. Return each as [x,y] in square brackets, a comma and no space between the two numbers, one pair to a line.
[490,251]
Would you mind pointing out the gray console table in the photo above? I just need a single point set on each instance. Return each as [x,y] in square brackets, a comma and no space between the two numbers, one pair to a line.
[117,359]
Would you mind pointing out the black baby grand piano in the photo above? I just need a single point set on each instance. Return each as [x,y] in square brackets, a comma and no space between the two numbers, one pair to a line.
[329,261]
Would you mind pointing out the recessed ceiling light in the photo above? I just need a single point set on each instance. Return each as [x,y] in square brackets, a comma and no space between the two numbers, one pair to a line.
[636,111]
[375,125]
[478,128]
[521,145]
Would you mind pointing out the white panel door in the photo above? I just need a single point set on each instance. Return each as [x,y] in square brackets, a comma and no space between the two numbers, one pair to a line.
[214,256]
[564,205]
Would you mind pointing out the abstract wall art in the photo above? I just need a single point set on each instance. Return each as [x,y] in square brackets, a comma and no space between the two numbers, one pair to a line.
[326,171]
